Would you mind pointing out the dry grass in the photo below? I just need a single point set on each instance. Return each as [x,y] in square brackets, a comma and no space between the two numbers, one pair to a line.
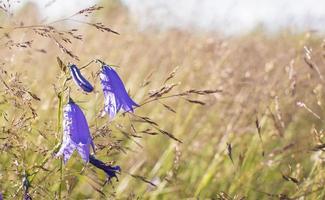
[251,141]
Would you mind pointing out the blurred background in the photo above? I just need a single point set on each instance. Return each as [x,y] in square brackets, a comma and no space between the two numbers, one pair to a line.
[260,138]
[228,17]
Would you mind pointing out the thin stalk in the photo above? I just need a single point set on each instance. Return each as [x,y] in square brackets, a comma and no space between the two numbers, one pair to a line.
[86,65]
[58,131]
[55,148]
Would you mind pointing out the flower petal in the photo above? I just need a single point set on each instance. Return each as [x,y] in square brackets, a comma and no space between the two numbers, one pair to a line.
[115,94]
[66,150]
[76,134]
[79,79]
[110,171]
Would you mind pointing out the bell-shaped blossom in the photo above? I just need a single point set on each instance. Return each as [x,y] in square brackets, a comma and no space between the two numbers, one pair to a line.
[78,78]
[110,171]
[115,95]
[76,134]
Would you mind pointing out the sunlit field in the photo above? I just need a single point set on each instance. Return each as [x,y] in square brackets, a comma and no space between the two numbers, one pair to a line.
[219,117]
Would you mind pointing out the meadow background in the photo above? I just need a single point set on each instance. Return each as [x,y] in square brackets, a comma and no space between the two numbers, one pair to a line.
[260,138]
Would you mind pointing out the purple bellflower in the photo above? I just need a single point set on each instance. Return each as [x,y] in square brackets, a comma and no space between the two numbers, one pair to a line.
[76,133]
[79,79]
[110,171]
[115,94]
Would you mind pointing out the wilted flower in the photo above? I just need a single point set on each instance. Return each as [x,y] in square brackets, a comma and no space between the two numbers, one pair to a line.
[76,133]
[79,79]
[108,169]
[115,94]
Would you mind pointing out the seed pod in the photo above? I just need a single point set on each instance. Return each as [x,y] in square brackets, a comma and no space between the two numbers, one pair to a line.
[79,79]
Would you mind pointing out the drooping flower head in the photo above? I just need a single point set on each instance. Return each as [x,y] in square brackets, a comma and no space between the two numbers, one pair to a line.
[115,94]
[110,171]
[79,79]
[76,133]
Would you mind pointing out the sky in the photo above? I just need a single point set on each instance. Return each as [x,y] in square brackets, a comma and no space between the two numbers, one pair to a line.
[227,16]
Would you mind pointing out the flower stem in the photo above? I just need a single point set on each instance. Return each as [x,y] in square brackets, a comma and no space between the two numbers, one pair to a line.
[58,131]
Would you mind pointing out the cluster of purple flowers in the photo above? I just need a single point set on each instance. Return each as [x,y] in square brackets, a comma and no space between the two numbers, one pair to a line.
[76,133]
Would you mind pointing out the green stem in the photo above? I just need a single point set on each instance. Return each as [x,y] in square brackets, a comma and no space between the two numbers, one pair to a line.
[58,131]
[54,149]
